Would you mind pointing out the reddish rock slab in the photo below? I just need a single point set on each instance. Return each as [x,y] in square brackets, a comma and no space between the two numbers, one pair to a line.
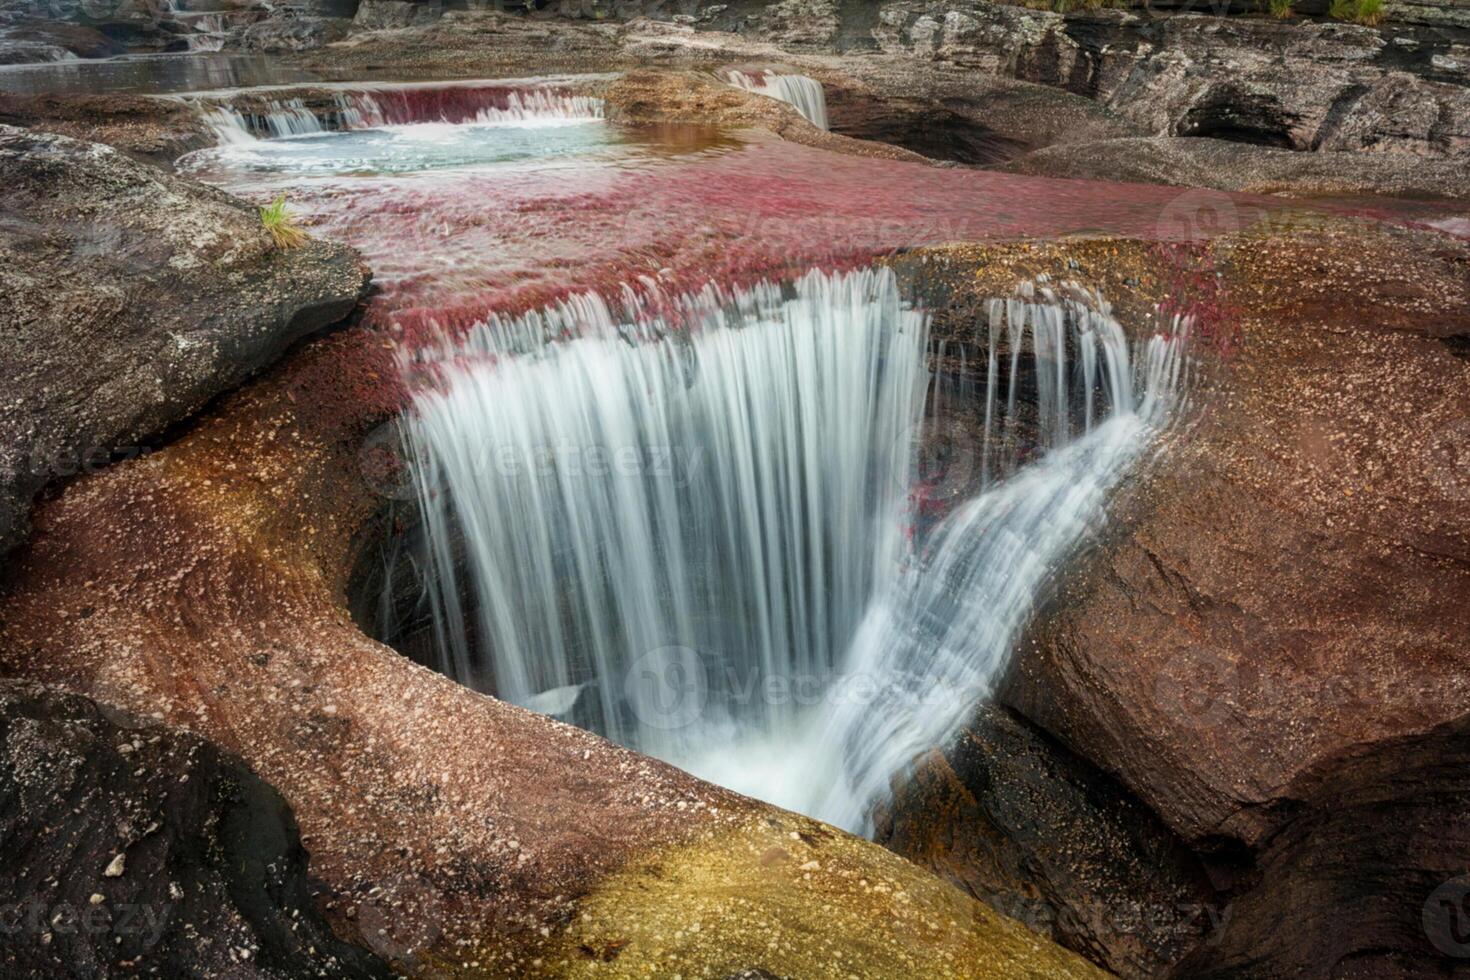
[1293,583]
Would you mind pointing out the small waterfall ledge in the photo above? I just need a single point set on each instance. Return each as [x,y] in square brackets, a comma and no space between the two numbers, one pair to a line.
[802,93]
[685,524]
[246,116]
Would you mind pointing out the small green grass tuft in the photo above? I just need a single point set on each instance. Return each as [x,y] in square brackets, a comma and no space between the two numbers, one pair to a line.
[1367,12]
[1280,9]
[281,224]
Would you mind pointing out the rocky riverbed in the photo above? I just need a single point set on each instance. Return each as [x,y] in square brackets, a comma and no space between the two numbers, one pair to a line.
[1230,741]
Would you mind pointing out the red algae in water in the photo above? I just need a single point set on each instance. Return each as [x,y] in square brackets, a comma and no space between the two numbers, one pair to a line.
[450,247]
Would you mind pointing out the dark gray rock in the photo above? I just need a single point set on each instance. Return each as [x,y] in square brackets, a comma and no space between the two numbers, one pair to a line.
[379,15]
[1195,162]
[29,40]
[1298,85]
[129,298]
[1368,881]
[136,851]
[289,32]
[140,25]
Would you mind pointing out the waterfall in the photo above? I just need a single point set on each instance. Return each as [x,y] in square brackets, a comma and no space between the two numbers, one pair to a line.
[282,118]
[801,92]
[711,488]
[683,525]
[237,120]
[930,648]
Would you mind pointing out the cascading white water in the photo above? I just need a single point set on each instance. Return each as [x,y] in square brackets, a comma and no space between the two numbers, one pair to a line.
[283,118]
[930,648]
[373,107]
[801,92]
[750,611]
[713,491]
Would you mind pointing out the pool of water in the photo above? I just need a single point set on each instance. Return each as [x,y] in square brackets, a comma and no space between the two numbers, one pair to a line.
[408,148]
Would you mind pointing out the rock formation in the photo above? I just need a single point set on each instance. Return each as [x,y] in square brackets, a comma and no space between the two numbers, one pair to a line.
[1241,711]
[204,585]
[132,298]
[136,850]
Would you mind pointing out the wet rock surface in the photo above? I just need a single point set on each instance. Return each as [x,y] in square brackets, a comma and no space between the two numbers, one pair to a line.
[1369,878]
[142,851]
[1284,599]
[1280,608]
[132,297]
[455,833]
[91,30]
[28,39]
[1024,825]
[155,131]
[1261,653]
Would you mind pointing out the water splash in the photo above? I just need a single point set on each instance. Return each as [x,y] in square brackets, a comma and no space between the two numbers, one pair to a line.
[930,648]
[243,117]
[803,93]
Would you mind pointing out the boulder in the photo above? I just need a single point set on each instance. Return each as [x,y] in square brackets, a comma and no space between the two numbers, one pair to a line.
[1369,879]
[29,40]
[1298,85]
[138,850]
[131,298]
[1267,649]
[156,131]
[378,15]
[289,32]
[141,25]
[1038,833]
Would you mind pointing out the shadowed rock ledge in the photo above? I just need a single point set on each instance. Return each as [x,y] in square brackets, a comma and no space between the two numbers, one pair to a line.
[139,851]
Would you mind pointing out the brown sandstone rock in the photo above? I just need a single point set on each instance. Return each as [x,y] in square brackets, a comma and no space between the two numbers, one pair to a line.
[1284,598]
[1034,831]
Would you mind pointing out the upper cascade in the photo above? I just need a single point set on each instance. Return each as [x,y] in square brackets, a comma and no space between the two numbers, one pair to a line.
[249,115]
[799,91]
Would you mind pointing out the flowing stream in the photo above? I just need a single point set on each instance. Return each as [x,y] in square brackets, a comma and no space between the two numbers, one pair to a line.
[802,93]
[669,421]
